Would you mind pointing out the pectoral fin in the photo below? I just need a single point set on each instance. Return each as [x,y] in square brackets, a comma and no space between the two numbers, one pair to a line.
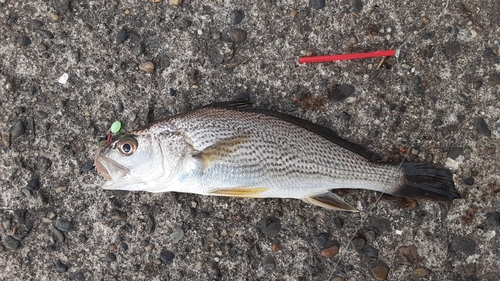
[220,150]
[242,192]
[330,201]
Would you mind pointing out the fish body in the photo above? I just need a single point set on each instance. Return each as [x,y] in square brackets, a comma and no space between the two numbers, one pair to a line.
[234,151]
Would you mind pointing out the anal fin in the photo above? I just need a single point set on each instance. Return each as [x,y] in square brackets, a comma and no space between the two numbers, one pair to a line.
[330,201]
[242,192]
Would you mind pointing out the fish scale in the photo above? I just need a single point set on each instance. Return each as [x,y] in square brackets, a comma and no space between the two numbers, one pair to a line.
[230,151]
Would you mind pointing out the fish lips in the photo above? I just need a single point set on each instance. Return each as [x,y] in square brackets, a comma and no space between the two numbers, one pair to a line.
[110,169]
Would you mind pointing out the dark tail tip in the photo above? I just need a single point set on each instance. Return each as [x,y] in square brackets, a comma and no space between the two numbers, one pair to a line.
[428,182]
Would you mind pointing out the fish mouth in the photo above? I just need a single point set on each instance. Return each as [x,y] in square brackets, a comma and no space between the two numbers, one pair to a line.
[110,169]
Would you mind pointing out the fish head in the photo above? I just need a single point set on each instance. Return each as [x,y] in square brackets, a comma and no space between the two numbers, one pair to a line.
[130,162]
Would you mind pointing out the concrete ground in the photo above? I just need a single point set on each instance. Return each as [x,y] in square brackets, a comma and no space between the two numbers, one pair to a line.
[137,61]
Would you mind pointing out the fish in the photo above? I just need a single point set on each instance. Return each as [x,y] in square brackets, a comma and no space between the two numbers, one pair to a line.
[232,149]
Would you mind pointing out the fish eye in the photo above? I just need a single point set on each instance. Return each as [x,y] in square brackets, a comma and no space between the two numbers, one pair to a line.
[127,146]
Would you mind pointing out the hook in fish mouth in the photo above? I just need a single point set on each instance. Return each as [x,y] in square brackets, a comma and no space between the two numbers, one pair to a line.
[110,169]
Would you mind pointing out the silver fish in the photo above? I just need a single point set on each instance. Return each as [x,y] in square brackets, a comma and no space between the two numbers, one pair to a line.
[233,150]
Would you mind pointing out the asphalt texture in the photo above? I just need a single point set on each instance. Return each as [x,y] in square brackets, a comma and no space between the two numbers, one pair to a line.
[138,61]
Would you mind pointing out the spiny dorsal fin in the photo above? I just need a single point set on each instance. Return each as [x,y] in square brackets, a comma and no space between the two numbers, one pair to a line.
[330,201]
[220,150]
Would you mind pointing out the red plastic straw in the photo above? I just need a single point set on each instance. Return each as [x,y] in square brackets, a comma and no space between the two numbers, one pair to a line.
[385,53]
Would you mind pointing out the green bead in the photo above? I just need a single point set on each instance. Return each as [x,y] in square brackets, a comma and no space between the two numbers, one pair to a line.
[115,128]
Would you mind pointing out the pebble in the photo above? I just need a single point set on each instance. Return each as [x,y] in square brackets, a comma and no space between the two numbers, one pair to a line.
[321,239]
[236,16]
[122,36]
[482,127]
[381,225]
[6,223]
[24,41]
[318,4]
[469,181]
[18,129]
[237,35]
[477,84]
[147,66]
[338,93]
[452,48]
[82,238]
[330,251]
[87,167]
[270,226]
[138,49]
[269,265]
[61,267]
[420,272]
[408,255]
[175,2]
[379,270]
[6,139]
[64,225]
[357,6]
[78,276]
[41,199]
[47,34]
[21,214]
[494,79]
[37,23]
[118,215]
[58,235]
[338,222]
[43,164]
[27,192]
[177,235]
[11,243]
[110,257]
[166,256]
[344,116]
[454,152]
[463,244]
[33,184]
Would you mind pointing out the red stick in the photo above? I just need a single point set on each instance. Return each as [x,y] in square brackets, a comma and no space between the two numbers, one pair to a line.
[385,53]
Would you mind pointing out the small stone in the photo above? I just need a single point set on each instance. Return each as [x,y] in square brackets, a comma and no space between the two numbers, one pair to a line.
[494,79]
[338,93]
[469,181]
[463,244]
[11,243]
[177,235]
[321,239]
[110,257]
[293,13]
[60,189]
[47,34]
[24,41]
[421,272]
[236,16]
[269,265]
[379,270]
[482,127]
[237,35]
[21,214]
[87,167]
[18,129]
[58,235]
[318,4]
[6,223]
[157,1]
[64,225]
[330,252]
[408,255]
[43,164]
[175,2]
[144,242]
[270,226]
[138,49]
[454,152]
[61,267]
[82,238]
[112,247]
[122,36]
[167,256]
[147,66]
[27,192]
[477,84]
[41,199]
[381,225]
[118,215]
[6,139]
[33,185]
[37,23]
[54,16]
[452,48]
[344,116]
[357,6]
[275,247]
[78,276]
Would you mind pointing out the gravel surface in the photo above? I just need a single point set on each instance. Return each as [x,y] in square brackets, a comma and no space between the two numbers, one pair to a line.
[69,69]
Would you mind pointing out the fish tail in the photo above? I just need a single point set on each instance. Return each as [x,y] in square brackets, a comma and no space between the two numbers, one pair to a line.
[428,182]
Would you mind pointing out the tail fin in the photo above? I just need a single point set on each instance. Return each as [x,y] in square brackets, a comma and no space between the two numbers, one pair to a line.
[428,182]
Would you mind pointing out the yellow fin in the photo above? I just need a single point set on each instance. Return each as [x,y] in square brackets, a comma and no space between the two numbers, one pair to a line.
[251,192]
[221,150]
[330,201]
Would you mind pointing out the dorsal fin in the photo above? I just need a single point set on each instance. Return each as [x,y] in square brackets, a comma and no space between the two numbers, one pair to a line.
[315,128]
